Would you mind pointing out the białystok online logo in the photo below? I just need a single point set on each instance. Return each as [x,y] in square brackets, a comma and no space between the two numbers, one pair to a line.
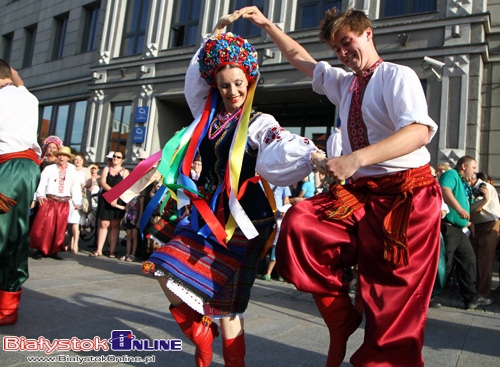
[121,340]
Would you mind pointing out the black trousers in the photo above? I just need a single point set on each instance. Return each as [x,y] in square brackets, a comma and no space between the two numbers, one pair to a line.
[459,251]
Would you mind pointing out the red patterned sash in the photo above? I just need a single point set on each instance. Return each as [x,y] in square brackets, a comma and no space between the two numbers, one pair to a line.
[27,154]
[351,197]
[5,202]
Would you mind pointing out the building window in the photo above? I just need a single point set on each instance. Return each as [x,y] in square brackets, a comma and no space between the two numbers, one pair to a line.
[185,23]
[134,30]
[45,123]
[61,121]
[65,120]
[7,46]
[310,13]
[120,127]
[29,47]
[78,123]
[60,36]
[90,30]
[392,8]
[243,27]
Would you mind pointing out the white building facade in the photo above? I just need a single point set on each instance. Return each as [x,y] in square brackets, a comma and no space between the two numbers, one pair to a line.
[109,74]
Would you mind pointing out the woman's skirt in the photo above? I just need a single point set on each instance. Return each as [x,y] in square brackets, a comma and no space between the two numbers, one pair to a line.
[221,277]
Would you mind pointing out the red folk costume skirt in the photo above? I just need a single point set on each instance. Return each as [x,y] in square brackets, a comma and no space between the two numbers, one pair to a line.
[313,249]
[48,232]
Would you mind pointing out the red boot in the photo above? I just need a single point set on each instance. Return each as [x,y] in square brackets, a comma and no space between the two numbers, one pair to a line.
[9,304]
[234,351]
[199,329]
[342,319]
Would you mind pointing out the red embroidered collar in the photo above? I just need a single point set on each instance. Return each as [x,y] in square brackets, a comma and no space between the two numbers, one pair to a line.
[7,84]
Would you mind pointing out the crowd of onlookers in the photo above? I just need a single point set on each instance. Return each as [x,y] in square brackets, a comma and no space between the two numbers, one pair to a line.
[69,198]
[470,232]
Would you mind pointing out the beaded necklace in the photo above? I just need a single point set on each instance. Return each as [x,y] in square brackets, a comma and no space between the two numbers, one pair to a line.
[220,122]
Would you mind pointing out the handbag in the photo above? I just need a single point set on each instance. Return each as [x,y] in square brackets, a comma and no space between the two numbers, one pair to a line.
[86,200]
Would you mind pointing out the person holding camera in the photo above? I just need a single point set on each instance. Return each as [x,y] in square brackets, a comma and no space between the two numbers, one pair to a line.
[484,215]
[457,194]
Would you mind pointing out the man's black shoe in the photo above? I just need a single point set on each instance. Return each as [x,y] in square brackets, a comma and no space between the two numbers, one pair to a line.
[478,301]
[37,255]
[56,256]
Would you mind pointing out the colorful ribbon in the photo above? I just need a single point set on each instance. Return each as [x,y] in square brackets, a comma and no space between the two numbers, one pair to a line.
[137,173]
[175,166]
[238,217]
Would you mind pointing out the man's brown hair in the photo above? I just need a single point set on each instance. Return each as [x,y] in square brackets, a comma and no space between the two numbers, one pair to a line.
[5,72]
[465,159]
[349,21]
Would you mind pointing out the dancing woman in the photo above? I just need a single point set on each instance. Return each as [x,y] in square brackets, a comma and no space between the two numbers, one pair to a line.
[207,267]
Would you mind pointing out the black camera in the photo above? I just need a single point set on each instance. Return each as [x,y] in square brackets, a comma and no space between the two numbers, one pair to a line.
[476,191]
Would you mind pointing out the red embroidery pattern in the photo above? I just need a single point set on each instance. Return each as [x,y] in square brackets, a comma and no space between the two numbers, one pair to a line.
[356,128]
[62,178]
[274,133]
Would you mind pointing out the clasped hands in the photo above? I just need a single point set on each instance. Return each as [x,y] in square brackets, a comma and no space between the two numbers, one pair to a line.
[251,12]
[338,168]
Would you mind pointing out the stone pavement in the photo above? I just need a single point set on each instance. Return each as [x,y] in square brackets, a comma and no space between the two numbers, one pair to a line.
[87,298]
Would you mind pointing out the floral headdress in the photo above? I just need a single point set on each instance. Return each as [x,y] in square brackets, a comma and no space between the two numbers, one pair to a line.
[227,48]
[53,139]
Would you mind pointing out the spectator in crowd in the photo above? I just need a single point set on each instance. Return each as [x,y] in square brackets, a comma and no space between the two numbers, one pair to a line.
[93,186]
[133,213]
[485,213]
[441,168]
[486,178]
[110,214]
[307,190]
[321,182]
[109,161]
[196,167]
[457,194]
[76,216]
[150,244]
[308,187]
[490,180]
[142,155]
[50,145]
[93,182]
[19,172]
[295,190]
[58,185]
[441,272]
[109,158]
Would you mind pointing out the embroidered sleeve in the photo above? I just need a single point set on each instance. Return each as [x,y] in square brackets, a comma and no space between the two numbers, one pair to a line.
[273,133]
[283,157]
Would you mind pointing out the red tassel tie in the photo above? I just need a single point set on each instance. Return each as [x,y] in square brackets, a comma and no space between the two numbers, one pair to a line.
[6,203]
